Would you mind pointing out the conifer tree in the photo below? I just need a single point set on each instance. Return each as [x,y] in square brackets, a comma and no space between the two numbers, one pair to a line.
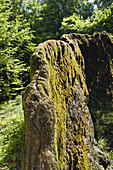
[15,50]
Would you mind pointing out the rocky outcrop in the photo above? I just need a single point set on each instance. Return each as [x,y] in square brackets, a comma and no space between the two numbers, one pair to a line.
[59,132]
[97,50]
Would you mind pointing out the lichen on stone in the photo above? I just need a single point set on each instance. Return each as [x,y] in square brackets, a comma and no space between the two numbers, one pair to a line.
[59,132]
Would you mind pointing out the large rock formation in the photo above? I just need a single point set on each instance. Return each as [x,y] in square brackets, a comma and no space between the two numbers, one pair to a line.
[97,50]
[59,133]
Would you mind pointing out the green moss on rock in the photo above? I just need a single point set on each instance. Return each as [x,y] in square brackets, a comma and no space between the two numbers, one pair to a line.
[59,132]
[97,50]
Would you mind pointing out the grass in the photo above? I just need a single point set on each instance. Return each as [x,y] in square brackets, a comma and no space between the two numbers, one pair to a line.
[11,134]
[12,131]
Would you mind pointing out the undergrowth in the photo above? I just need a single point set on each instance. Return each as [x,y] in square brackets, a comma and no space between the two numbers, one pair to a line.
[11,134]
[12,131]
[103,126]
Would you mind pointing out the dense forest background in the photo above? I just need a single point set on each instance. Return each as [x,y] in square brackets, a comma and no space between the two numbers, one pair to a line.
[23,25]
[26,23]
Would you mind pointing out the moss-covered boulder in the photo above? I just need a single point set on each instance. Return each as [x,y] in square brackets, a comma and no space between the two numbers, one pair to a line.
[59,133]
[97,50]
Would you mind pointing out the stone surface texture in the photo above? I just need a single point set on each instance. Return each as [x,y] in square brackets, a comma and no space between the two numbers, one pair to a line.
[59,132]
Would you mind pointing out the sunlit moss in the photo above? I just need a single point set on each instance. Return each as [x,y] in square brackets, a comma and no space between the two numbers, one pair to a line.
[66,72]
[63,72]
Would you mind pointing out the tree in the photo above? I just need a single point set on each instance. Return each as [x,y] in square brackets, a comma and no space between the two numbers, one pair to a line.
[102,4]
[45,16]
[99,21]
[15,50]
[32,13]
[52,14]
[85,9]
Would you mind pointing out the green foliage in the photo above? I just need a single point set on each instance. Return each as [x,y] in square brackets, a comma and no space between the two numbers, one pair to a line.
[10,80]
[45,16]
[102,4]
[17,19]
[15,51]
[99,21]
[85,9]
[102,142]
[11,130]
[103,145]
[32,13]
[103,122]
[103,126]
[110,156]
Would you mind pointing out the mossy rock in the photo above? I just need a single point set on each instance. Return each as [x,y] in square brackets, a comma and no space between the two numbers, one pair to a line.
[59,133]
[97,50]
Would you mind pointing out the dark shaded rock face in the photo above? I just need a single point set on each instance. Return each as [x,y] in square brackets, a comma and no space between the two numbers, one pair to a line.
[59,133]
[97,50]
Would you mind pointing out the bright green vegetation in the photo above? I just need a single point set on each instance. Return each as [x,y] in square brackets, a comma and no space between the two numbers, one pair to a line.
[24,24]
[11,134]
[15,50]
[101,20]
[103,145]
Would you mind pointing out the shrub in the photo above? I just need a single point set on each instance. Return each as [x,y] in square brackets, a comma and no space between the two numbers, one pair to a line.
[12,130]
